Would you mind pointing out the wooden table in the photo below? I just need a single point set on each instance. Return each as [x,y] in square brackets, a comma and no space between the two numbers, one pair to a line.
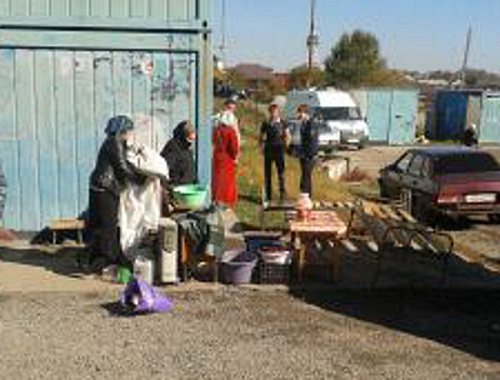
[322,225]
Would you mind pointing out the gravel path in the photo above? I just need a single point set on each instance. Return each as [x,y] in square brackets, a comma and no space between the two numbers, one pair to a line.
[245,334]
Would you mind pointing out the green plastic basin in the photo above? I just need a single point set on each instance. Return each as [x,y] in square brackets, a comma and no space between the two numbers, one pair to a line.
[191,196]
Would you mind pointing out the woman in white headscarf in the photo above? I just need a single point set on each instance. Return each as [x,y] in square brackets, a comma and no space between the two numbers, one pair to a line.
[226,143]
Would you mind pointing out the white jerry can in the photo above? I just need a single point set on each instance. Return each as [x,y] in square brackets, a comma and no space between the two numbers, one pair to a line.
[168,247]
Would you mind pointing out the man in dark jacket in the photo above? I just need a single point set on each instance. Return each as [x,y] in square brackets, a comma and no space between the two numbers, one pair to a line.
[111,175]
[274,139]
[179,155]
[308,148]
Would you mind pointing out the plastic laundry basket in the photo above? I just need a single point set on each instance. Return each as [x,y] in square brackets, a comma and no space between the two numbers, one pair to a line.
[239,269]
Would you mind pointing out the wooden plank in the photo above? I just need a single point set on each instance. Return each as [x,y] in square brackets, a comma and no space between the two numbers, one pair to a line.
[120,8]
[103,94]
[178,10]
[28,146]
[122,83]
[465,257]
[65,20]
[373,246]
[39,7]
[177,42]
[19,7]
[141,97]
[390,212]
[347,244]
[185,87]
[161,110]
[100,8]
[83,119]
[9,147]
[59,8]
[46,135]
[4,7]
[80,8]
[377,212]
[139,8]
[158,9]
[367,207]
[67,224]
[66,133]
[406,215]
[349,205]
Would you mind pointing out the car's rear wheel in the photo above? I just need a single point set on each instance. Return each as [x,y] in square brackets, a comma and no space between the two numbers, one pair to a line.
[420,208]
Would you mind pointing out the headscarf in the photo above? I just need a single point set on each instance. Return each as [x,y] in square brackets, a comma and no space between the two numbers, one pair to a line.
[119,125]
[182,132]
[228,119]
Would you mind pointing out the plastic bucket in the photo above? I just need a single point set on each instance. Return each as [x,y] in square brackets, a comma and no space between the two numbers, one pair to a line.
[191,196]
[239,269]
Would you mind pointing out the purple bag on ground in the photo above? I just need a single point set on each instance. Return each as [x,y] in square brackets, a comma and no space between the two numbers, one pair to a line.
[141,298]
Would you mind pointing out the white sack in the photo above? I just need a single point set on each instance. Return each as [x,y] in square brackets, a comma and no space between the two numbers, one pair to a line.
[140,205]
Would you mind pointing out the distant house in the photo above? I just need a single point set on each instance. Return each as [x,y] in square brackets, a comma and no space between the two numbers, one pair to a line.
[282,79]
[253,74]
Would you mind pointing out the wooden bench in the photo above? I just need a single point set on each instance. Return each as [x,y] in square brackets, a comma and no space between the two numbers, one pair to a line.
[61,225]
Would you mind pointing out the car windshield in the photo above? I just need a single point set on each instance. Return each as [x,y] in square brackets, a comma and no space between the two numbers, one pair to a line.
[338,113]
[465,163]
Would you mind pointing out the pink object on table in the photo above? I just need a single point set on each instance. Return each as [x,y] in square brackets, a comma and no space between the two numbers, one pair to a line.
[320,222]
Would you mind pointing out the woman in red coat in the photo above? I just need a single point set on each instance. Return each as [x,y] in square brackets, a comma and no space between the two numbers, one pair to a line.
[226,144]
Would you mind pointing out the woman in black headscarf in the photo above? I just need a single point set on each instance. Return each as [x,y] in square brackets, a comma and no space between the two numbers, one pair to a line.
[179,155]
[111,175]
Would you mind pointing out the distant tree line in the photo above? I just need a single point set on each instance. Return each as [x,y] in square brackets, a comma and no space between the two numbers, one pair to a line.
[354,61]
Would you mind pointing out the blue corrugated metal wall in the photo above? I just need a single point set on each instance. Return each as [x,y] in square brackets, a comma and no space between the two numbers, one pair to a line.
[450,114]
[392,115]
[66,67]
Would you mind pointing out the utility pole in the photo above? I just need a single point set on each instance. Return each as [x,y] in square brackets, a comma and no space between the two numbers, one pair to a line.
[312,42]
[463,71]
[222,46]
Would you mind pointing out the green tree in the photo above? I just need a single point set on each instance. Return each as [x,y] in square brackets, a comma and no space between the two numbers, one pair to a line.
[353,61]
[300,76]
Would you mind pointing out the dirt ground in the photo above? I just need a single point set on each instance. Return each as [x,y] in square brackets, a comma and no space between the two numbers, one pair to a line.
[57,324]
[240,333]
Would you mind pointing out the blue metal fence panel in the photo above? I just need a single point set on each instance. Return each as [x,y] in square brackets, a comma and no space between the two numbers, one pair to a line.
[392,115]
[451,115]
[60,86]
[404,108]
[490,119]
[379,114]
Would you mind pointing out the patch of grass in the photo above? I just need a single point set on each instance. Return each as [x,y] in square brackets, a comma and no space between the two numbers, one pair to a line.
[251,174]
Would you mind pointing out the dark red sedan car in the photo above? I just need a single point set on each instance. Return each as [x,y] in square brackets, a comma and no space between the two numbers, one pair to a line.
[456,181]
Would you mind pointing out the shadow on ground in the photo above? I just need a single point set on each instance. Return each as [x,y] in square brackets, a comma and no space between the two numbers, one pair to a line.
[62,262]
[468,321]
